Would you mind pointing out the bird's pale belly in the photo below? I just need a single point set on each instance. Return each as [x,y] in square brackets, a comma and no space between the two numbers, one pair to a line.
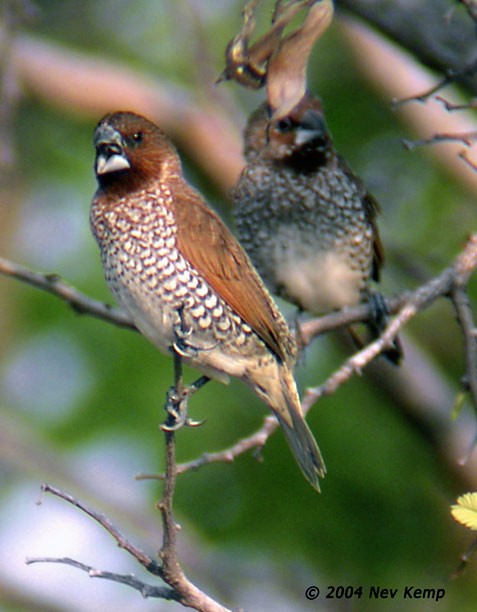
[322,282]
[167,316]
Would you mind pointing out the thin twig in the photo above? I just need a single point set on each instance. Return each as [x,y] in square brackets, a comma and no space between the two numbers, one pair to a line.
[463,155]
[181,589]
[464,559]
[450,77]
[143,558]
[450,106]
[255,441]
[466,138]
[356,363]
[425,95]
[146,590]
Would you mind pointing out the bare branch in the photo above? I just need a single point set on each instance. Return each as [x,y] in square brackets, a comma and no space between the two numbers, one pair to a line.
[181,589]
[451,106]
[465,318]
[424,95]
[455,275]
[424,28]
[255,441]
[463,269]
[464,559]
[356,363]
[451,77]
[143,558]
[397,76]
[312,328]
[466,138]
[53,284]
[406,306]
[146,590]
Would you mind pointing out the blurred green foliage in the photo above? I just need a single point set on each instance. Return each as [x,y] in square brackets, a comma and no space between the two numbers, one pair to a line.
[383,517]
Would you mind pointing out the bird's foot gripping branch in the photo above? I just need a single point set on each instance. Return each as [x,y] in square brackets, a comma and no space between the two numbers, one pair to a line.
[177,398]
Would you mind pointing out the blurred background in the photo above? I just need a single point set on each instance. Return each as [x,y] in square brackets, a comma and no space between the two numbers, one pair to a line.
[81,400]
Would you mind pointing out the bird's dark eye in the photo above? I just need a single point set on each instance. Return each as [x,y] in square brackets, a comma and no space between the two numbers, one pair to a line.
[137,137]
[284,125]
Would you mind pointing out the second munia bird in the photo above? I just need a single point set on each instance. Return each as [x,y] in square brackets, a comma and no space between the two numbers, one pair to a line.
[183,278]
[306,221]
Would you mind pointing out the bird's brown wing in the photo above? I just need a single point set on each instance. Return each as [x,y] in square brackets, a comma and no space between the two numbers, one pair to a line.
[206,242]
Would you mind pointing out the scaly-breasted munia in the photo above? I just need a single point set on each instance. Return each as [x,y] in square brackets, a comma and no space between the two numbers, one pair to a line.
[173,265]
[306,221]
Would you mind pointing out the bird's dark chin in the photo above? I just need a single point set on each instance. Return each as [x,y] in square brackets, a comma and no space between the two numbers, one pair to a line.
[308,158]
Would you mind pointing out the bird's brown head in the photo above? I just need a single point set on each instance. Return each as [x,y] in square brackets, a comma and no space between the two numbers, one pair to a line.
[299,137]
[131,152]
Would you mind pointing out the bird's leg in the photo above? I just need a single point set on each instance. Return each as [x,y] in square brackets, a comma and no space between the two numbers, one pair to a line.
[379,315]
[177,401]
[378,310]
[182,333]
[177,398]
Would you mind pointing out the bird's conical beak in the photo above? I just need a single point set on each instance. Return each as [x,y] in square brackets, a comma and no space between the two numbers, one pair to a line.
[110,154]
[312,127]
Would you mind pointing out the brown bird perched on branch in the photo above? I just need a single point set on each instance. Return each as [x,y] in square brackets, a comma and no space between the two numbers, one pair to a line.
[306,221]
[187,284]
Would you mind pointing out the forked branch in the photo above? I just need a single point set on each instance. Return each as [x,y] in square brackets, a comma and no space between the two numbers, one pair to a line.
[179,588]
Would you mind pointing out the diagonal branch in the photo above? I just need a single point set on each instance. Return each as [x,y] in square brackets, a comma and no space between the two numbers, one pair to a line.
[143,558]
[407,306]
[83,304]
[52,283]
[454,276]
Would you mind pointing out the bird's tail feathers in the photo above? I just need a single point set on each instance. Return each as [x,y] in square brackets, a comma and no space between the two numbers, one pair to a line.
[298,434]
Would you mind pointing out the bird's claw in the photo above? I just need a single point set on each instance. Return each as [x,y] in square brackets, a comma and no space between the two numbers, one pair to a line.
[176,407]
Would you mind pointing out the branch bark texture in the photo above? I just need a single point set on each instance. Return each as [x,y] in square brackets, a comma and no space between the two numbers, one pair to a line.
[438,32]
